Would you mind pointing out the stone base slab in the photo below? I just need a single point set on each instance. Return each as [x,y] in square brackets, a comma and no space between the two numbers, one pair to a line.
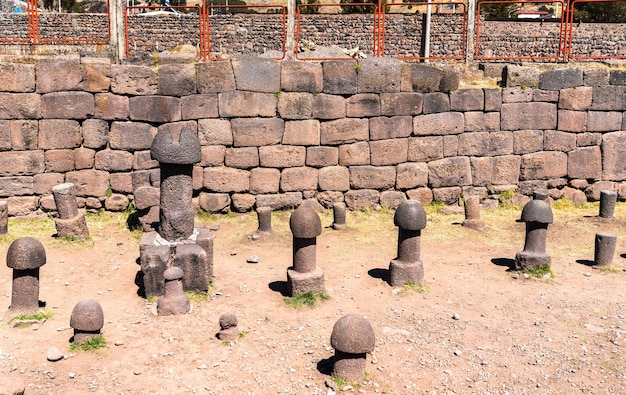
[525,260]
[305,282]
[401,273]
[72,227]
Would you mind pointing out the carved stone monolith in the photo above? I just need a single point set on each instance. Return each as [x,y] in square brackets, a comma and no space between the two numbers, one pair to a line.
[407,267]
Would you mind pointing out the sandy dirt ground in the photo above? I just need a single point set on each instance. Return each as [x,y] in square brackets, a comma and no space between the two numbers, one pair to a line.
[477,328]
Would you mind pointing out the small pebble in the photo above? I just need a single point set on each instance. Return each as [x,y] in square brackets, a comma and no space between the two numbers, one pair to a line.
[457,352]
[54,354]
[253,259]
[119,343]
[456,316]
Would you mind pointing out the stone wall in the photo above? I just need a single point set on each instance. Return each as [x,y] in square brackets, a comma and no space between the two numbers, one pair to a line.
[274,133]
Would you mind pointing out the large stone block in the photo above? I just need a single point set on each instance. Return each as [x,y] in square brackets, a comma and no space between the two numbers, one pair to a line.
[246,104]
[59,134]
[334,178]
[194,261]
[328,106]
[554,140]
[256,132]
[305,132]
[16,186]
[447,195]
[500,143]
[226,179]
[214,202]
[543,165]
[142,160]
[22,135]
[604,121]
[114,160]
[131,136]
[390,127]
[295,105]
[435,103]
[89,182]
[545,95]
[576,99]
[411,175]
[439,124]
[299,179]
[560,79]
[109,106]
[517,95]
[521,76]
[122,183]
[176,80]
[157,109]
[281,156]
[493,99]
[212,155]
[363,105]
[527,141]
[388,152]
[215,77]
[340,77]
[378,75]
[585,163]
[22,205]
[344,131]
[596,76]
[482,121]
[146,197]
[133,80]
[363,198]
[58,73]
[256,74]
[242,158]
[95,133]
[322,156]
[96,74]
[423,78]
[354,154]
[20,106]
[473,144]
[372,177]
[59,161]
[17,77]
[215,132]
[614,156]
[301,77]
[199,106]
[450,172]
[401,103]
[450,146]
[482,169]
[467,100]
[572,121]
[608,98]
[450,80]
[425,149]
[5,135]
[264,180]
[280,201]
[44,182]
[520,116]
[506,170]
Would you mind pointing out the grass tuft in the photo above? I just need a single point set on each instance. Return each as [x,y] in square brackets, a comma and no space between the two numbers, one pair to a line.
[539,272]
[40,315]
[197,296]
[309,299]
[411,287]
[434,208]
[342,383]
[611,269]
[94,344]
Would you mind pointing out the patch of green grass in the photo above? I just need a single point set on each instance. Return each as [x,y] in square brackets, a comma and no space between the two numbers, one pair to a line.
[434,208]
[411,287]
[94,344]
[539,272]
[152,299]
[87,242]
[241,335]
[225,343]
[206,217]
[610,269]
[357,68]
[342,383]
[309,299]
[197,296]
[37,316]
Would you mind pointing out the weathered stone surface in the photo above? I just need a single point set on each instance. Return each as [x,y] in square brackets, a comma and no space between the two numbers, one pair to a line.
[12,386]
[157,109]
[390,127]
[482,121]
[450,80]
[295,105]
[59,134]
[95,133]
[334,178]
[354,154]
[301,77]
[58,73]
[131,136]
[264,180]
[43,183]
[146,196]
[450,145]
[322,156]
[246,104]
[576,99]
[450,172]
[213,155]
[473,144]
[372,177]
[59,161]
[21,163]
[519,116]
[363,198]
[71,105]
[280,201]
[22,205]
[617,77]
[89,182]
[482,169]
[388,152]
[305,132]
[23,135]
[298,179]
[176,143]
[614,160]
[142,160]
[16,186]
[199,106]
[560,79]
[392,199]
[554,140]
[500,143]
[467,100]
[447,195]
[111,107]
[423,78]
[215,202]
[439,124]
[340,77]
[585,162]
[215,77]
[527,141]
[379,75]
[594,191]
[363,105]
[113,160]
[543,165]
[20,106]
[521,76]
[122,183]
[604,121]
[256,132]
[401,103]
[412,175]
[282,156]
[506,170]
[133,80]
[242,202]
[344,131]
[176,80]
[116,202]
[17,77]
[256,74]
[435,103]
[423,195]
[425,149]
[572,121]
[596,76]
[96,74]
[215,132]
[326,106]
[545,95]
[226,179]
[242,158]
[517,95]
[493,99]
[608,98]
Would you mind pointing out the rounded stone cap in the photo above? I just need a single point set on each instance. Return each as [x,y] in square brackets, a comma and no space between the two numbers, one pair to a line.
[410,215]
[228,320]
[185,151]
[26,253]
[305,223]
[353,334]
[537,211]
[87,316]
[173,273]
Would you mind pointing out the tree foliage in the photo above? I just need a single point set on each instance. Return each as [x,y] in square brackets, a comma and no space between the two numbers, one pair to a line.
[498,11]
[354,7]
[600,12]
[308,10]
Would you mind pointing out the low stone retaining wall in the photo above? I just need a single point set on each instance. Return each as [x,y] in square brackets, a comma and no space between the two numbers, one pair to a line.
[372,132]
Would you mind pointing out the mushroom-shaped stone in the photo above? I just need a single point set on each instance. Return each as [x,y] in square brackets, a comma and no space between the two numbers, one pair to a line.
[26,253]
[174,300]
[410,215]
[537,211]
[305,223]
[87,320]
[228,327]
[185,150]
[352,338]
